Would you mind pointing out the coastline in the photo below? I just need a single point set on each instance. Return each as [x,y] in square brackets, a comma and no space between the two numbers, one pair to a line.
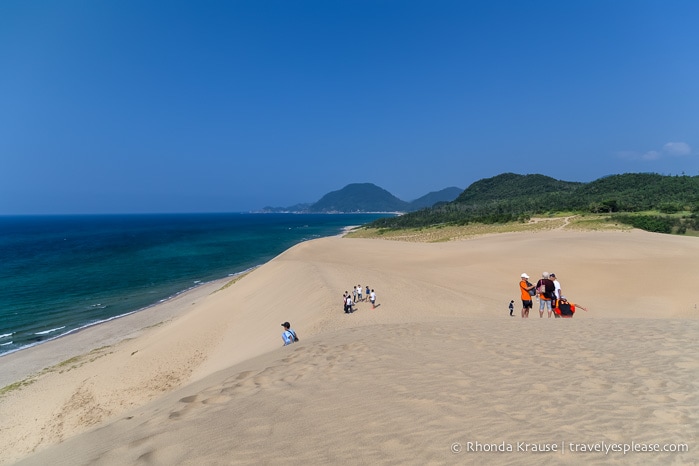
[186,386]
[157,257]
[25,362]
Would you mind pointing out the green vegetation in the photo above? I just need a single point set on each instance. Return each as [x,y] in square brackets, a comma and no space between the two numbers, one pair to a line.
[661,223]
[518,198]
[231,282]
[443,232]
[63,366]
[17,385]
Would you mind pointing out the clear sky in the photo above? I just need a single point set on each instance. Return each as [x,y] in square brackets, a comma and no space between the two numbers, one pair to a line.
[120,106]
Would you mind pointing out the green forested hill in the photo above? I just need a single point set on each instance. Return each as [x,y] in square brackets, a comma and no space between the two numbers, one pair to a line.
[510,197]
[633,192]
[512,186]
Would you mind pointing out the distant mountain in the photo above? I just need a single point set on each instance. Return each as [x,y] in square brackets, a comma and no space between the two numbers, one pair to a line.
[430,199]
[286,210]
[367,197]
[359,197]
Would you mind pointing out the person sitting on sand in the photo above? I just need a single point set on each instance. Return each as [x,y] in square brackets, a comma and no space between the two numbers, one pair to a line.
[557,291]
[289,336]
[565,308]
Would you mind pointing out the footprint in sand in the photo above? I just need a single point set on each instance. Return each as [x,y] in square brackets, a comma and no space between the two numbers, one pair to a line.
[189,399]
[216,400]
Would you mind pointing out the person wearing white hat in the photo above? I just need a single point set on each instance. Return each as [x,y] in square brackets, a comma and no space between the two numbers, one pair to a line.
[525,287]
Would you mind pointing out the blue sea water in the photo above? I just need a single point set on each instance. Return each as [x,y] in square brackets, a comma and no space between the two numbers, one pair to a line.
[62,273]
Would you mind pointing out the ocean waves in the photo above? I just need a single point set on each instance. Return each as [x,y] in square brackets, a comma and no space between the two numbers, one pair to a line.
[46,332]
[62,274]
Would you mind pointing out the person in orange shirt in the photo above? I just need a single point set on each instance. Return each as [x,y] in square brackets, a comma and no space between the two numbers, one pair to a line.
[524,287]
[565,308]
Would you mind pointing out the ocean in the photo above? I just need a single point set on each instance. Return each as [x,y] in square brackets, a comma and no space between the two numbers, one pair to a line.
[60,274]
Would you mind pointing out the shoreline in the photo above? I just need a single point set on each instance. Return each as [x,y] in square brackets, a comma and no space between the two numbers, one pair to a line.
[110,319]
[17,369]
[30,360]
[38,313]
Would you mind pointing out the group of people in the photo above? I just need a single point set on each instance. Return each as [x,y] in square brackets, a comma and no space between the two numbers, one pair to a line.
[548,291]
[358,294]
[348,301]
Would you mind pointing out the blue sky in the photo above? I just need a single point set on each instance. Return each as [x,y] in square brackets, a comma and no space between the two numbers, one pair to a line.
[131,106]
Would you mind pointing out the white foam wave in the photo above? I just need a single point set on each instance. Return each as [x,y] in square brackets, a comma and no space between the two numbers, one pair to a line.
[5,335]
[5,344]
[92,324]
[45,332]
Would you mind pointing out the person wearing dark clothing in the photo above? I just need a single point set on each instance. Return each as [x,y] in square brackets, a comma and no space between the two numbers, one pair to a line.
[545,288]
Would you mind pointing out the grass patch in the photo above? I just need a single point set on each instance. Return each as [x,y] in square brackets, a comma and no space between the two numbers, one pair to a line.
[17,385]
[61,367]
[442,232]
[78,361]
[597,222]
[231,282]
[68,362]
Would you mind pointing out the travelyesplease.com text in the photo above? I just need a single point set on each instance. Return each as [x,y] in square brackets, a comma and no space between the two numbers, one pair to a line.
[568,447]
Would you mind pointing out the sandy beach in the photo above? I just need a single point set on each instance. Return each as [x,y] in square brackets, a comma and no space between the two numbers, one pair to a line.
[438,373]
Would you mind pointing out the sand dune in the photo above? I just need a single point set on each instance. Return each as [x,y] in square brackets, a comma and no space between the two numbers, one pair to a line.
[439,365]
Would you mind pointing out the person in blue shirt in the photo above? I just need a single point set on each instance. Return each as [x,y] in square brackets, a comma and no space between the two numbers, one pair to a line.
[289,336]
